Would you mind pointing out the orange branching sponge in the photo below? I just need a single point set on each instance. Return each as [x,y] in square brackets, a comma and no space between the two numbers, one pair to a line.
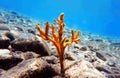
[57,39]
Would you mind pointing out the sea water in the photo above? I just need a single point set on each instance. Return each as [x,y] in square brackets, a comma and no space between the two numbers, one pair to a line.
[100,17]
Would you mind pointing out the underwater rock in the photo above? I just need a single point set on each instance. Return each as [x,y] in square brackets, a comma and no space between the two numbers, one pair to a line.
[90,56]
[83,48]
[31,31]
[76,46]
[99,63]
[29,20]
[29,55]
[7,60]
[25,55]
[83,69]
[99,40]
[112,64]
[9,35]
[18,28]
[101,56]
[22,21]
[5,53]
[70,56]
[115,46]
[51,59]
[4,42]
[35,45]
[11,20]
[110,72]
[57,76]
[4,27]
[54,52]
[32,68]
[2,21]
[93,48]
[2,72]
[0,14]
[17,34]
[14,13]
[113,76]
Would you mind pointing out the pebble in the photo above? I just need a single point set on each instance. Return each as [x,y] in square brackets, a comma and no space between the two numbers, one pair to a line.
[76,46]
[93,48]
[84,48]
[111,64]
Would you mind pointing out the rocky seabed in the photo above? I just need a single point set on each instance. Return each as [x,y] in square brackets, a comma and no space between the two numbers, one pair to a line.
[24,54]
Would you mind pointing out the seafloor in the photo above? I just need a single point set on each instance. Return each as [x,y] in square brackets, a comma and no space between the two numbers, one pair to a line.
[20,46]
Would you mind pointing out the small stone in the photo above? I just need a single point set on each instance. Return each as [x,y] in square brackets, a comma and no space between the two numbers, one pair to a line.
[93,48]
[18,28]
[11,20]
[28,20]
[76,46]
[99,40]
[18,16]
[31,31]
[83,48]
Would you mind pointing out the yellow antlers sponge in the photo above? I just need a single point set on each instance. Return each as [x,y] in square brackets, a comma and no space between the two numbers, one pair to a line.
[57,39]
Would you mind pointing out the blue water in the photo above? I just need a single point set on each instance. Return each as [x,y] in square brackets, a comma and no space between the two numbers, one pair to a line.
[97,16]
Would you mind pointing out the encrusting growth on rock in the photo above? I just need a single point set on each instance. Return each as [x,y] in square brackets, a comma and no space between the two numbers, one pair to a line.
[58,40]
